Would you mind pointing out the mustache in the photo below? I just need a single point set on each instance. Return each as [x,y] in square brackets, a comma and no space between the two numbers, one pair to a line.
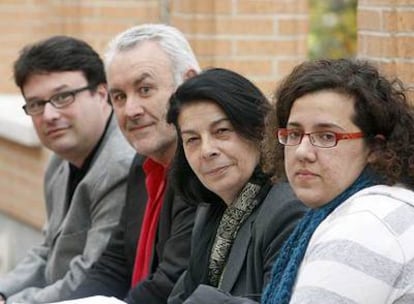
[135,123]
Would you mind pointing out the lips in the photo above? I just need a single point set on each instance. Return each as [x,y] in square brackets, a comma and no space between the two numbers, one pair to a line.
[304,174]
[138,128]
[215,170]
[53,131]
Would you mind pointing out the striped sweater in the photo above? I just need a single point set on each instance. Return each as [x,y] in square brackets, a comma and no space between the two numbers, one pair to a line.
[362,253]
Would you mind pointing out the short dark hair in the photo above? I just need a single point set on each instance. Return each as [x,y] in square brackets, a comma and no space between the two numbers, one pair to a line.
[381,108]
[59,54]
[244,104]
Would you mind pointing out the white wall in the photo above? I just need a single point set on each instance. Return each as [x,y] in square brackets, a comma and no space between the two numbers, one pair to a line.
[15,239]
[15,125]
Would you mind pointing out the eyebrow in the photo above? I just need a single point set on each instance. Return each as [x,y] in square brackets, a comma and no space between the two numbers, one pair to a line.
[136,82]
[319,125]
[55,91]
[213,124]
[141,78]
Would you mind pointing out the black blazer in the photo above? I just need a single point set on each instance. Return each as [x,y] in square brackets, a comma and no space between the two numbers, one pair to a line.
[253,252]
[111,274]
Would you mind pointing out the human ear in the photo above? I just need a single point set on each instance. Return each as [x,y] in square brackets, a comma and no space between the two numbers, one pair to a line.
[189,73]
[379,141]
[102,91]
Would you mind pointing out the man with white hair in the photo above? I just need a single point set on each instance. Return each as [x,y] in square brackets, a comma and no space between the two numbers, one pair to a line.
[144,65]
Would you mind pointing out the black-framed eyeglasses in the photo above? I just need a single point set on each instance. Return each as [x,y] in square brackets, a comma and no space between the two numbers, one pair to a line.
[321,139]
[59,101]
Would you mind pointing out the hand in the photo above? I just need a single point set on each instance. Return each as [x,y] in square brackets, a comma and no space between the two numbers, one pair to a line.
[2,299]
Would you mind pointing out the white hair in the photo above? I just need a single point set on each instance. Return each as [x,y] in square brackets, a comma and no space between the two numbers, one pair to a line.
[170,39]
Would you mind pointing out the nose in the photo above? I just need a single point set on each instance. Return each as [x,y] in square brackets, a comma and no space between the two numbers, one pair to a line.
[209,148]
[133,107]
[305,150]
[50,113]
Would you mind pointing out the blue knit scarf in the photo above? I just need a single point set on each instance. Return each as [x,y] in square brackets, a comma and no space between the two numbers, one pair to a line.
[285,268]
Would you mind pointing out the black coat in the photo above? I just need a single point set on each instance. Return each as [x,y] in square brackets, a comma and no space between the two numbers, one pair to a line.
[253,252]
[111,274]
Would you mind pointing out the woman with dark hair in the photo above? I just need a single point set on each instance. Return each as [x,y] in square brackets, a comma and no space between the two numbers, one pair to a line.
[242,219]
[346,140]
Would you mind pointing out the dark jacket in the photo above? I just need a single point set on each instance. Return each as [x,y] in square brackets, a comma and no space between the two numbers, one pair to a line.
[253,252]
[111,275]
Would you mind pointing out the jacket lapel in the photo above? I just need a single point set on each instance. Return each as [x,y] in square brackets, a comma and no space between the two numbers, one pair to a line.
[136,202]
[237,255]
[59,210]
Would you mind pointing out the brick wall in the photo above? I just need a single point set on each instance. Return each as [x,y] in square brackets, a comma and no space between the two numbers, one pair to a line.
[23,22]
[21,182]
[262,39]
[386,36]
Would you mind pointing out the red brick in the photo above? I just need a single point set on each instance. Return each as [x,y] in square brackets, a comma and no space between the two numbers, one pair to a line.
[22,190]
[369,19]
[247,67]
[405,46]
[206,62]
[272,6]
[377,46]
[211,47]
[387,68]
[293,27]
[389,21]
[203,7]
[383,3]
[405,21]
[245,26]
[196,25]
[139,11]
[266,47]
[405,71]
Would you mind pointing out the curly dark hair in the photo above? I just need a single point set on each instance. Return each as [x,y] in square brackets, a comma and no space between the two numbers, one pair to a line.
[245,106]
[381,108]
